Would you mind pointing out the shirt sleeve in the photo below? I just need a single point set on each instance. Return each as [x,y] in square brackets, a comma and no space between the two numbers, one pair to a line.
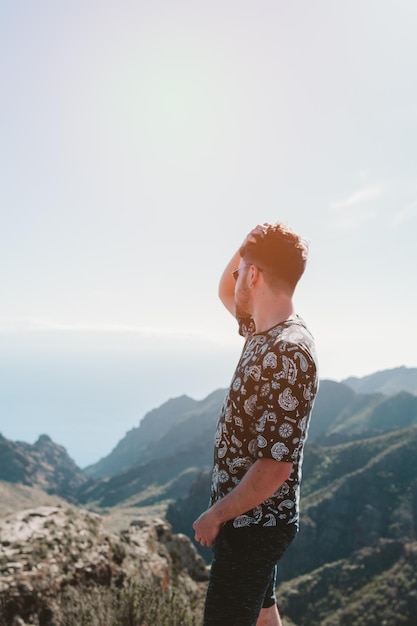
[283,402]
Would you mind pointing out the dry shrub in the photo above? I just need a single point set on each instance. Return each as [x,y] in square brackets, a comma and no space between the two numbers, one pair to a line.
[134,604]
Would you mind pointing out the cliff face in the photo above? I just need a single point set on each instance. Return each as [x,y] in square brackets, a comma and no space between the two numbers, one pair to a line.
[48,550]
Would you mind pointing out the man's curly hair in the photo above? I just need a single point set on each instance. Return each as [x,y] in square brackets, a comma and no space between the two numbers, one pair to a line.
[280,253]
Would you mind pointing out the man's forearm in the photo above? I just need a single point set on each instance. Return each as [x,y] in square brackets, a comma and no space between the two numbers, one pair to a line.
[259,483]
[227,284]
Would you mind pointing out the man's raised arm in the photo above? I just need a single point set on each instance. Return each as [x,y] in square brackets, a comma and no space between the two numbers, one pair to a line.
[227,282]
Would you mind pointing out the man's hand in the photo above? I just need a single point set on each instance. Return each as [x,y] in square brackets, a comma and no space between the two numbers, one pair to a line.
[258,232]
[206,527]
[260,482]
[227,282]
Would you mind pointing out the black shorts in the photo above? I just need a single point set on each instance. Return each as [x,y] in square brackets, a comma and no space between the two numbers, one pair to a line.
[242,577]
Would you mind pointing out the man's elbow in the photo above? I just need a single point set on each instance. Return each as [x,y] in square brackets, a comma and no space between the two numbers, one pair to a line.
[279,470]
[282,470]
[287,469]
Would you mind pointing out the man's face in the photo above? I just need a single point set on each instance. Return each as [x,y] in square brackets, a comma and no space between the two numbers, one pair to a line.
[243,294]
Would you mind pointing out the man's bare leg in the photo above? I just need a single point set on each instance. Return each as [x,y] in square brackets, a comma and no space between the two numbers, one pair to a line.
[269,617]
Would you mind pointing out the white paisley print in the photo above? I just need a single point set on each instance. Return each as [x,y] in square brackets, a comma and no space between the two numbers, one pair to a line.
[266,414]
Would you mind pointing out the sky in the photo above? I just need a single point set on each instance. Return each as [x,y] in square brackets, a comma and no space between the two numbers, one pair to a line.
[140,143]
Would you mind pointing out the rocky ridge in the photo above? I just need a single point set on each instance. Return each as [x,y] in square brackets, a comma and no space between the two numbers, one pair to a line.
[47,549]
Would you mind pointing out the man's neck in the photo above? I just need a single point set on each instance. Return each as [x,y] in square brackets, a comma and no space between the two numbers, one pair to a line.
[269,314]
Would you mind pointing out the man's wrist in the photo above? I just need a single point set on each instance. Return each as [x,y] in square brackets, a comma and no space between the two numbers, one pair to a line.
[221,512]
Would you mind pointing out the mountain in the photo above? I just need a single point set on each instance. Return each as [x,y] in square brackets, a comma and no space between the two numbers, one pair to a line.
[354,561]
[336,403]
[183,424]
[181,443]
[388,382]
[377,585]
[154,482]
[159,460]
[340,412]
[356,494]
[44,464]
[176,458]
[176,424]
[398,411]
[133,447]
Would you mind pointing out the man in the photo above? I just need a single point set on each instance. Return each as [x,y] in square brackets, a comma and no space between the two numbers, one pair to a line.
[253,513]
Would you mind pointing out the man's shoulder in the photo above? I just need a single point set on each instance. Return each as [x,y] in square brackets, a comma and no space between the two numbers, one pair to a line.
[294,334]
[295,329]
[288,335]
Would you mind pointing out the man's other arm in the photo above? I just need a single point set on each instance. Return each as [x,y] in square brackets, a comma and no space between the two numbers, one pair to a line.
[260,482]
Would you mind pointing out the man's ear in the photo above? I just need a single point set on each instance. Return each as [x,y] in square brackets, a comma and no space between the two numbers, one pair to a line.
[253,275]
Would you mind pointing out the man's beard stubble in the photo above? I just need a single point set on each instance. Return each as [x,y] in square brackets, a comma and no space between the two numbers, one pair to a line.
[243,302]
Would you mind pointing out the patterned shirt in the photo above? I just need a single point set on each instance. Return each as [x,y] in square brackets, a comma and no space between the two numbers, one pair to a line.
[266,414]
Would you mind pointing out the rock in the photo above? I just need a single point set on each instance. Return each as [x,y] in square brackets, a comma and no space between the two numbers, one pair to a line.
[45,550]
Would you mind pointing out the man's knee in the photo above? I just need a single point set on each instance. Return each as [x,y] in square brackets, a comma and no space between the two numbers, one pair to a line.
[269,617]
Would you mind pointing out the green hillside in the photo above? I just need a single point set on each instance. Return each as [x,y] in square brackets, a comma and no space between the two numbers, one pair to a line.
[377,585]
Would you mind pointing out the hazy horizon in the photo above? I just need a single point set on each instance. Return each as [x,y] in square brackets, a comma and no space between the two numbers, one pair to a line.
[87,394]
